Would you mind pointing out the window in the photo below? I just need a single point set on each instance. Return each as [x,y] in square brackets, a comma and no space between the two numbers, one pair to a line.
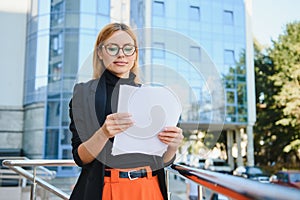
[195,54]
[228,17]
[56,44]
[158,50]
[158,8]
[294,177]
[55,72]
[229,57]
[230,97]
[231,110]
[57,13]
[51,144]
[194,13]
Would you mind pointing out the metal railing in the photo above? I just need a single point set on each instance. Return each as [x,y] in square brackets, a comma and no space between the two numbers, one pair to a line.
[228,185]
[16,165]
[236,187]
[41,171]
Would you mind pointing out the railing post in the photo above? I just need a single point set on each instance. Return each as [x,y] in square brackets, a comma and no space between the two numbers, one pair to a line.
[33,186]
[168,183]
[200,192]
[16,165]
[24,182]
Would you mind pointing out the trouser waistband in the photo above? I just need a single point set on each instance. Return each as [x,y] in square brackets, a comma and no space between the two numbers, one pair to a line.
[130,174]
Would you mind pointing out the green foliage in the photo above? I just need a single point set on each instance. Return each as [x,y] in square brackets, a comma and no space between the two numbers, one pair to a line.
[277,74]
[286,58]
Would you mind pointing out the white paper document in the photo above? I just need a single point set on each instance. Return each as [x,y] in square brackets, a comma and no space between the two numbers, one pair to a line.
[152,109]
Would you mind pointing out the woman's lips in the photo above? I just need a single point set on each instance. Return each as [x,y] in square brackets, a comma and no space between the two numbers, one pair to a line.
[120,63]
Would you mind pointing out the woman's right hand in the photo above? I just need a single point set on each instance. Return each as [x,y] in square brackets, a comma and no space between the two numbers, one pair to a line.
[116,123]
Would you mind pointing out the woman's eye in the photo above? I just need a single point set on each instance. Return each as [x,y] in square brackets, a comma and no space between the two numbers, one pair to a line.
[128,48]
[112,48]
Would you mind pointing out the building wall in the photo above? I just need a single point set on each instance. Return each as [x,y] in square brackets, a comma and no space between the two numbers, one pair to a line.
[12,51]
[34,124]
[11,127]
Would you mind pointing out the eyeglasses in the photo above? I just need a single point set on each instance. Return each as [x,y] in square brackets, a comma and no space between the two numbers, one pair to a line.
[113,49]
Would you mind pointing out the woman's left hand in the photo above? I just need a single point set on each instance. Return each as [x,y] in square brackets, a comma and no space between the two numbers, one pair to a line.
[172,136]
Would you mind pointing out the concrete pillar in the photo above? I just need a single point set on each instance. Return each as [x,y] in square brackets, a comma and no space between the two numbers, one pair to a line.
[251,99]
[34,136]
[239,159]
[250,146]
[229,148]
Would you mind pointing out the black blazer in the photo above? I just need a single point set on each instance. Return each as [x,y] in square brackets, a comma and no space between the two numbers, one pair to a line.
[88,120]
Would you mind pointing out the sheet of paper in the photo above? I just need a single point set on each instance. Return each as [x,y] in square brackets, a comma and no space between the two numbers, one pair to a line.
[152,109]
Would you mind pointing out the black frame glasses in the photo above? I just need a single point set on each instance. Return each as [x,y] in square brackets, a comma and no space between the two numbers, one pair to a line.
[114,49]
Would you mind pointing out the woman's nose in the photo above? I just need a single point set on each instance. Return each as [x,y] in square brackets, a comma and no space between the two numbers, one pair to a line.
[121,53]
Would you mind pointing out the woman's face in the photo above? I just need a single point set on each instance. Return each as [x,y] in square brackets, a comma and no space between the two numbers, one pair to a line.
[113,56]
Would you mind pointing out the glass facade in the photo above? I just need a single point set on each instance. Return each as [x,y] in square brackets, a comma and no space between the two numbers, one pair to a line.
[210,29]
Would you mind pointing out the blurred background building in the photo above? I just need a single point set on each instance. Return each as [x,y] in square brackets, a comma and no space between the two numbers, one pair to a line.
[191,45]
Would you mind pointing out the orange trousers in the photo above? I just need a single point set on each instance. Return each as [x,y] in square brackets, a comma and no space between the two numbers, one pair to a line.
[116,188]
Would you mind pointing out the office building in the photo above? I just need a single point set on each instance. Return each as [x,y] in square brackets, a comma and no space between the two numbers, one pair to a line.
[201,48]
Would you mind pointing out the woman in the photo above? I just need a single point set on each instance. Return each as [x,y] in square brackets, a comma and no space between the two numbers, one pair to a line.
[95,122]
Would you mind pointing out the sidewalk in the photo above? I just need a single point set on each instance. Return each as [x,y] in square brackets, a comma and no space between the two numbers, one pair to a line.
[177,188]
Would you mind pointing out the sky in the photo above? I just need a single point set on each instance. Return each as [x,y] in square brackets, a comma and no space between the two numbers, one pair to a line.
[269,18]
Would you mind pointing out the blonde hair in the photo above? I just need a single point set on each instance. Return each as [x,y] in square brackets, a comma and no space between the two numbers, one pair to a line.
[105,33]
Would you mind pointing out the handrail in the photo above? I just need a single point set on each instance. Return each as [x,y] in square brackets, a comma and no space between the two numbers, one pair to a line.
[49,174]
[38,162]
[228,185]
[16,165]
[236,187]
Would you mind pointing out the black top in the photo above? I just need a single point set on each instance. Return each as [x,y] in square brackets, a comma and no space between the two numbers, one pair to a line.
[105,93]
[112,90]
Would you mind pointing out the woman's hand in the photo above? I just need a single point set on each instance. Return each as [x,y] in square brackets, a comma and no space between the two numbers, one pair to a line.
[116,123]
[172,136]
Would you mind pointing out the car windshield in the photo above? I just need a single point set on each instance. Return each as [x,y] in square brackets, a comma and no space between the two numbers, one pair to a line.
[295,177]
[220,163]
[255,171]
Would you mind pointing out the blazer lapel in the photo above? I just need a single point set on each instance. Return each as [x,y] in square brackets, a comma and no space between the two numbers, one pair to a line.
[100,100]
[91,105]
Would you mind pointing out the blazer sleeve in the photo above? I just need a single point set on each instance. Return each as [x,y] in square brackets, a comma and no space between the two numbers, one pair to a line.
[76,141]
[81,131]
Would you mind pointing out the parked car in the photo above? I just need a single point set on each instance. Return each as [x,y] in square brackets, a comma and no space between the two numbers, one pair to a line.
[217,165]
[201,163]
[253,173]
[289,178]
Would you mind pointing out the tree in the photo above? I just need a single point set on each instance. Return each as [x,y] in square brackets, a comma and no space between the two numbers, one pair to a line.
[278,97]
[265,130]
[286,58]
